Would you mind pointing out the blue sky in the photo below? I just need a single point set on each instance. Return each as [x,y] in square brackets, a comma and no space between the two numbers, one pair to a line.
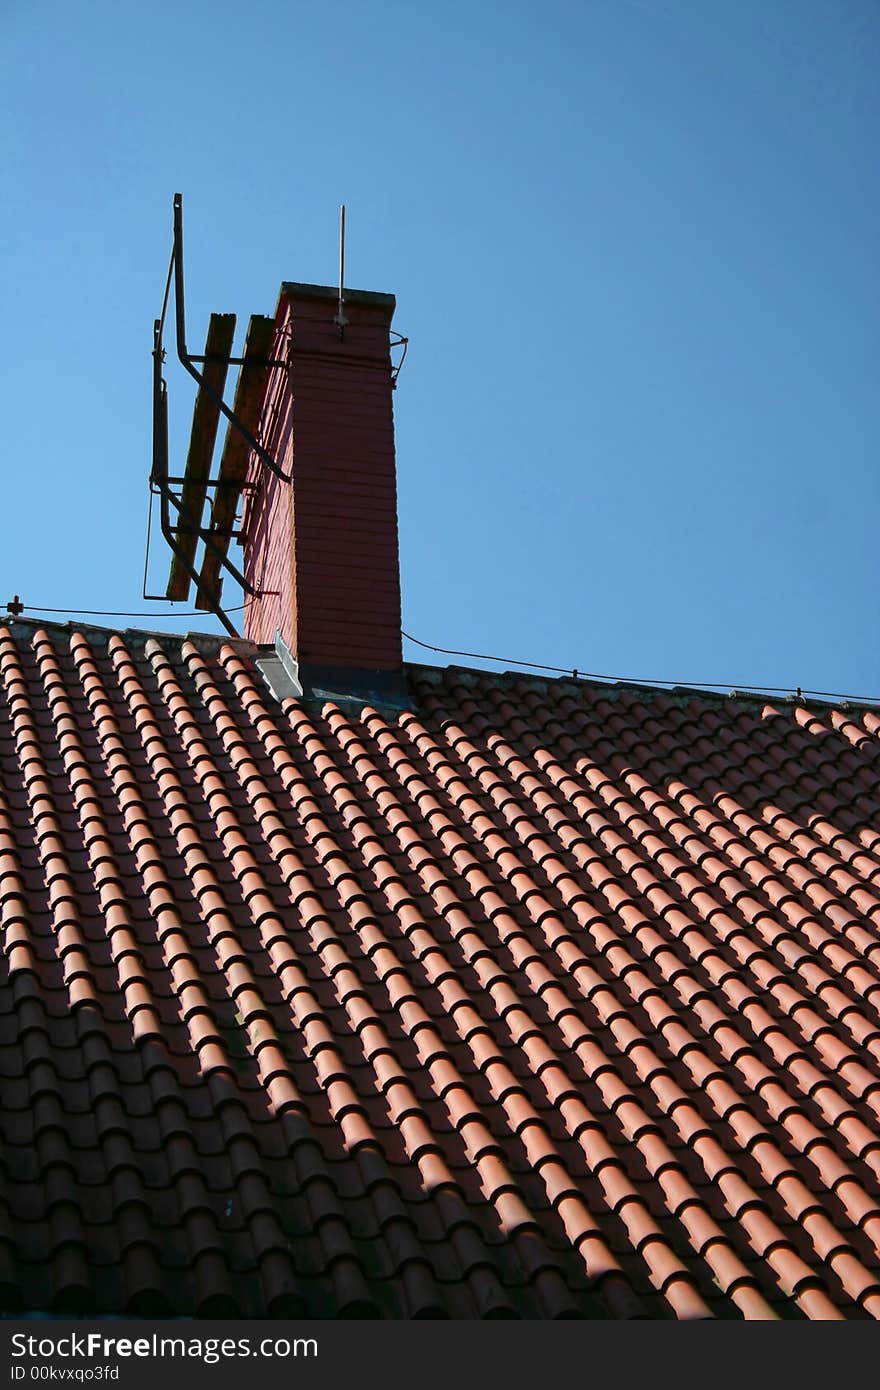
[634,247]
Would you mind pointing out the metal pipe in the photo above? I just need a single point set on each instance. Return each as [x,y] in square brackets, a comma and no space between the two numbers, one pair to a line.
[187,361]
[340,318]
[341,256]
[159,469]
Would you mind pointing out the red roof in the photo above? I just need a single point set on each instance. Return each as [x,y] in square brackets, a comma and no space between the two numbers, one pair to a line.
[540,998]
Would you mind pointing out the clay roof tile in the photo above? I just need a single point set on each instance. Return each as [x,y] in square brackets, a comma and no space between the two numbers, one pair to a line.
[581,982]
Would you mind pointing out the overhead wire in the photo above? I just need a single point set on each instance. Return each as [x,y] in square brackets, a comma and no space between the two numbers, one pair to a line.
[114,613]
[573,671]
[578,674]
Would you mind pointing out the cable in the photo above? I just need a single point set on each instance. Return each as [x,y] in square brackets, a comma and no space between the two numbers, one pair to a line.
[112,613]
[508,660]
[481,656]
[641,680]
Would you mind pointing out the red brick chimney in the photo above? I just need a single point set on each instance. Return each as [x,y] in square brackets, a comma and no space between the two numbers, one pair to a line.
[323,548]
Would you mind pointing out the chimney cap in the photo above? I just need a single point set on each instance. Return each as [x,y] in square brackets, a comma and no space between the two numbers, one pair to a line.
[293,289]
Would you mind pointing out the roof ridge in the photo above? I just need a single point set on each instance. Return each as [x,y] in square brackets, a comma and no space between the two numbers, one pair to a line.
[207,641]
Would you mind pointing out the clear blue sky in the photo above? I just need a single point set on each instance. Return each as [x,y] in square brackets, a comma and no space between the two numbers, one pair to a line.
[634,244]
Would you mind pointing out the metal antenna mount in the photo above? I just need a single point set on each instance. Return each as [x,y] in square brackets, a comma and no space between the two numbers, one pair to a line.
[340,318]
[183,531]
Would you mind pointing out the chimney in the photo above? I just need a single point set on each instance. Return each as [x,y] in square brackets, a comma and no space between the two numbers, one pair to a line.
[322,550]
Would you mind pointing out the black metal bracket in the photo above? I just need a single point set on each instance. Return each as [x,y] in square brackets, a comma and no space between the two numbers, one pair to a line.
[160,482]
[401,342]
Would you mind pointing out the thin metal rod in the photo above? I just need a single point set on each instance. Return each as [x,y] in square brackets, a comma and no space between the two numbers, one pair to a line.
[242,361]
[177,550]
[147,549]
[340,317]
[341,258]
[161,320]
[214,482]
[204,534]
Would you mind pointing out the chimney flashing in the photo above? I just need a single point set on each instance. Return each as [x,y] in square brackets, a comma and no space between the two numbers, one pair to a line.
[278,669]
[356,685]
[288,678]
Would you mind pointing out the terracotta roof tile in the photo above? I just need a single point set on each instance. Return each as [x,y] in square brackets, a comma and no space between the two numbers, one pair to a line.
[536,999]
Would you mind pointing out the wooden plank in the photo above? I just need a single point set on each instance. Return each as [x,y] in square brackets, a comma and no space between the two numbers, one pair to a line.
[206,416]
[250,391]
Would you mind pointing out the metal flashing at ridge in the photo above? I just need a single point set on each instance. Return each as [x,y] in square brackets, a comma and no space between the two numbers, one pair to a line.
[287,677]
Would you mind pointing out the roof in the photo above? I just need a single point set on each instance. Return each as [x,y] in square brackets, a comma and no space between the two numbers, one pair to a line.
[540,998]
